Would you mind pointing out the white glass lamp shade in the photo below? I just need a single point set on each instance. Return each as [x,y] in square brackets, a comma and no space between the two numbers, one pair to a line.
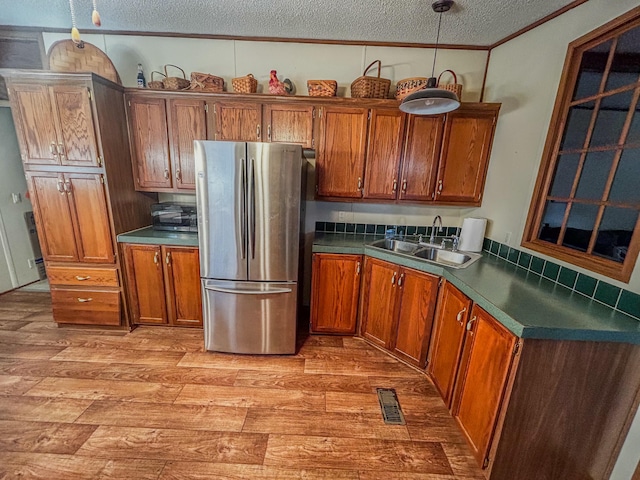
[430,101]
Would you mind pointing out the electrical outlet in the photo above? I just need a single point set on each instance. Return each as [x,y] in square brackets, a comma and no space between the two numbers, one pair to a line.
[342,216]
[31,262]
[507,237]
[16,198]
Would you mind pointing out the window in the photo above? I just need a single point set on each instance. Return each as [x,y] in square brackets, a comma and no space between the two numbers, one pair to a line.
[586,205]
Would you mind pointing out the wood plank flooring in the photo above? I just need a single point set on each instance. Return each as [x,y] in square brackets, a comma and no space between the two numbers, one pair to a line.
[78,403]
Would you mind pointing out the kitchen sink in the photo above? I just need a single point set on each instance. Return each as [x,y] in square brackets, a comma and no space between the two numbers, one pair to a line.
[431,253]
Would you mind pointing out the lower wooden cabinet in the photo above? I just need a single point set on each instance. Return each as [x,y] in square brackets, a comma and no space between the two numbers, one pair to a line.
[335,288]
[397,309]
[447,340]
[482,380]
[163,285]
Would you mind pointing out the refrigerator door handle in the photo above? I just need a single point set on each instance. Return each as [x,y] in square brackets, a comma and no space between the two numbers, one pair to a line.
[252,209]
[248,292]
[243,211]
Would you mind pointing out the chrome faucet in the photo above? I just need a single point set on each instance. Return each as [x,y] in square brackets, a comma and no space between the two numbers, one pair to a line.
[438,220]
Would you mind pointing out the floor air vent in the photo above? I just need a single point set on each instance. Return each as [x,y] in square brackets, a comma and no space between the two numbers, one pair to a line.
[390,407]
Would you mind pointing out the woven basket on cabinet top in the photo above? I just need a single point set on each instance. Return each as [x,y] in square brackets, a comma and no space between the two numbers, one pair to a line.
[246,84]
[454,87]
[205,82]
[371,87]
[322,88]
[175,83]
[407,86]
[156,84]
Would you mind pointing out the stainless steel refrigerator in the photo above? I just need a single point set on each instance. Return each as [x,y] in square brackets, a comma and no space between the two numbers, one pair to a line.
[250,206]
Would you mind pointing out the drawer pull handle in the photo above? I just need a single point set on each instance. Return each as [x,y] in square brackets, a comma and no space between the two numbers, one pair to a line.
[460,314]
[393,279]
[156,258]
[82,279]
[395,185]
[470,325]
[54,150]
[166,174]
[84,300]
[400,280]
[358,268]
[404,186]
[167,258]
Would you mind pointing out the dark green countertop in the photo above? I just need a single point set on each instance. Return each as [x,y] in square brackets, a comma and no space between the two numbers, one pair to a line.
[148,236]
[528,305]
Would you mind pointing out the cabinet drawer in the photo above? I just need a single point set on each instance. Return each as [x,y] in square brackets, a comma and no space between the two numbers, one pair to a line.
[82,276]
[86,307]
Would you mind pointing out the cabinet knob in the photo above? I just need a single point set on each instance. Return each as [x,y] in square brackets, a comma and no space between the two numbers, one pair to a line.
[357,268]
[400,280]
[156,258]
[167,258]
[269,132]
[60,186]
[258,131]
[61,151]
[359,183]
[393,278]
[67,187]
[166,174]
[395,185]
[439,187]
[178,176]
[54,150]
[460,314]
[404,186]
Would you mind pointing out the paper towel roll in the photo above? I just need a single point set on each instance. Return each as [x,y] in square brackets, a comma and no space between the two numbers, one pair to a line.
[472,234]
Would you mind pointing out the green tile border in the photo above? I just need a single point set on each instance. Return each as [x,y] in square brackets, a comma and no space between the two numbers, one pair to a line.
[600,291]
[360,228]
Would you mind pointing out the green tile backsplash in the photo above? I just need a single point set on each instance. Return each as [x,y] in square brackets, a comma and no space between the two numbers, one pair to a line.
[614,297]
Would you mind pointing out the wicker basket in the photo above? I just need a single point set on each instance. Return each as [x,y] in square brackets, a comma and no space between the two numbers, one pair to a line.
[175,83]
[407,86]
[454,87]
[246,84]
[371,87]
[156,84]
[205,82]
[322,88]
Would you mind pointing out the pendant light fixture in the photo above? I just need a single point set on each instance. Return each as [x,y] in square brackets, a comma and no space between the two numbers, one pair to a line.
[432,100]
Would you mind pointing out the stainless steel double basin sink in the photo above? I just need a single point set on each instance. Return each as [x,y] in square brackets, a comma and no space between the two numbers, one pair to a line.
[432,253]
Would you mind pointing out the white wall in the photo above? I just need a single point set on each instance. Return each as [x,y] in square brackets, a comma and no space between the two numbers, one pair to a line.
[524,75]
[14,240]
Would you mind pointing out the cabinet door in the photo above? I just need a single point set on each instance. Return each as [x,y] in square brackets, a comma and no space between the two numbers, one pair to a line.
[466,146]
[35,124]
[74,120]
[54,217]
[150,141]
[420,159]
[145,284]
[289,124]
[238,122]
[484,373]
[188,121]
[341,152]
[93,234]
[182,274]
[418,296]
[386,131]
[448,336]
[335,288]
[378,304]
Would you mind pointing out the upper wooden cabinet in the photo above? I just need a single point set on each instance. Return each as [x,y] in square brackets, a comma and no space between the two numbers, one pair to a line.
[340,155]
[238,121]
[384,149]
[162,133]
[288,123]
[397,309]
[55,124]
[72,218]
[335,288]
[466,145]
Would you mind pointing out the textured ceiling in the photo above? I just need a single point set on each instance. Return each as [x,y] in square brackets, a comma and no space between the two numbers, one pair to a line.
[470,22]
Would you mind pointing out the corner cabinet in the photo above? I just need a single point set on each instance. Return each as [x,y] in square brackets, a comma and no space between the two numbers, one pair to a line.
[163,283]
[72,133]
[397,309]
[335,289]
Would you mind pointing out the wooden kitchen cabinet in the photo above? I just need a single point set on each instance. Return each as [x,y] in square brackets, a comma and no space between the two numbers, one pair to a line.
[163,285]
[289,123]
[335,289]
[238,121]
[447,339]
[482,380]
[340,155]
[464,159]
[71,215]
[384,149]
[55,124]
[397,309]
[162,132]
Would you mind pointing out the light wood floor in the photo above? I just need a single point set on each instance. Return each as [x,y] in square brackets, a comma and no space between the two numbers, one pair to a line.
[151,404]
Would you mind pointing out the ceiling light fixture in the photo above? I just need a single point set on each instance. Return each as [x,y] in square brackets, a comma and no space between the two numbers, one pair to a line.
[432,100]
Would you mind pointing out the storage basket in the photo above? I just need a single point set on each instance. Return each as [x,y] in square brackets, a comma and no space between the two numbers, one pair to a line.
[175,83]
[156,84]
[322,88]
[371,87]
[407,86]
[454,87]
[205,82]
[246,84]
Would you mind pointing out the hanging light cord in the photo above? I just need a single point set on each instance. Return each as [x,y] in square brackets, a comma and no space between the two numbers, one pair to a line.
[435,54]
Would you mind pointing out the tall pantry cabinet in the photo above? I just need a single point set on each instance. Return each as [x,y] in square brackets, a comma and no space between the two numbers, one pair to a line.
[72,132]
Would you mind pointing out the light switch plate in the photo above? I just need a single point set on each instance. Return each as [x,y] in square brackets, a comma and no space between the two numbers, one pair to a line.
[16,198]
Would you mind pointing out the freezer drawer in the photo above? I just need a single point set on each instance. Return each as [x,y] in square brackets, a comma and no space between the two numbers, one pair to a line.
[249,317]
